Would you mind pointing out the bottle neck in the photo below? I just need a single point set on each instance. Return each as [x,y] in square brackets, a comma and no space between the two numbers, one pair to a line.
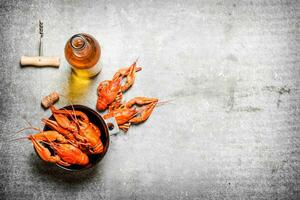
[80,45]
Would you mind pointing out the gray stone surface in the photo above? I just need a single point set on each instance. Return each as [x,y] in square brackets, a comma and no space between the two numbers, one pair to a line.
[232,68]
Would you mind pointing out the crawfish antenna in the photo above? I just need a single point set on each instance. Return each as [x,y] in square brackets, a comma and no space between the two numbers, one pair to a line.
[29,127]
[136,60]
[160,103]
[16,139]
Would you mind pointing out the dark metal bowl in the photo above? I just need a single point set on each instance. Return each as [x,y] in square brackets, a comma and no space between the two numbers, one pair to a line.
[96,119]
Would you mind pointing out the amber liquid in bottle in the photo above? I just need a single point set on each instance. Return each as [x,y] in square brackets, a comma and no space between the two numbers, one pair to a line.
[83,52]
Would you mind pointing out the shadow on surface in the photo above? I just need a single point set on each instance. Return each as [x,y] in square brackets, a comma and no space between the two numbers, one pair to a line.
[51,172]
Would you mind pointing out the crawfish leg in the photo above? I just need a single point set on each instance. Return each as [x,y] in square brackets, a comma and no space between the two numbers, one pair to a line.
[144,114]
[125,127]
[130,77]
[43,152]
[54,125]
[80,137]
[71,113]
[64,122]
[124,71]
[97,149]
[50,136]
[63,163]
[141,101]
[117,102]
[118,99]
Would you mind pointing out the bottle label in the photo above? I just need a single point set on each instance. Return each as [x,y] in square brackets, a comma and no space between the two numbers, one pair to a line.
[89,72]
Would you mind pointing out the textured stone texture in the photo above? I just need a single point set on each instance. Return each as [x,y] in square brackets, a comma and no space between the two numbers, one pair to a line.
[232,68]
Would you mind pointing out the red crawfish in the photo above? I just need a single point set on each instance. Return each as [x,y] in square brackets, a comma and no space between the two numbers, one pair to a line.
[110,91]
[127,114]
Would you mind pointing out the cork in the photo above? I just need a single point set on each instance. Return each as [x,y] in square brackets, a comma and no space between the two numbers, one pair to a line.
[50,99]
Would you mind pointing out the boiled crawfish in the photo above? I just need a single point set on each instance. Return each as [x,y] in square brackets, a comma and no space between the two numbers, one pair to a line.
[127,113]
[64,153]
[77,128]
[110,91]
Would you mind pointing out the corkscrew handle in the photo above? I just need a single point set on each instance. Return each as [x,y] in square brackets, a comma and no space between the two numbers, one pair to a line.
[40,61]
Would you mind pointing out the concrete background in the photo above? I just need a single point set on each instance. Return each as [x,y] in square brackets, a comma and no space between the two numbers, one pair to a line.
[232,67]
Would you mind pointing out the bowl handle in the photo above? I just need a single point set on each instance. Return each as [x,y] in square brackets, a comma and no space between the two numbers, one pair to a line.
[112,126]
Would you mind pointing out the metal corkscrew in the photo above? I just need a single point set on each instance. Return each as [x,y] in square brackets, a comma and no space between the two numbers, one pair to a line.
[40,61]
[41,28]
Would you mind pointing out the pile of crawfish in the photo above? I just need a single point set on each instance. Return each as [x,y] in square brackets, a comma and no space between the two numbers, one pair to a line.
[72,138]
[110,92]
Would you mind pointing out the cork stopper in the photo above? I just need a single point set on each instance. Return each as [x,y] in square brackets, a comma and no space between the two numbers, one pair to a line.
[50,99]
